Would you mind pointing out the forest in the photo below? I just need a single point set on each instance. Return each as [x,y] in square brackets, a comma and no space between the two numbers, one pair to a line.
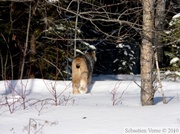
[138,64]
[39,38]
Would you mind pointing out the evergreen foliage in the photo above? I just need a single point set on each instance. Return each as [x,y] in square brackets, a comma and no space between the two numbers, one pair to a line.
[173,49]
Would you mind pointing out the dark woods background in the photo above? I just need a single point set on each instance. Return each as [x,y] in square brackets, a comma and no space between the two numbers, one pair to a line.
[38,38]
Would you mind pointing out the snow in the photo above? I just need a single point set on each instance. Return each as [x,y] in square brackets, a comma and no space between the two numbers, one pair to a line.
[120,45]
[176,16]
[177,73]
[88,45]
[115,60]
[129,47]
[175,19]
[125,52]
[91,113]
[92,47]
[52,1]
[79,51]
[168,31]
[124,63]
[174,60]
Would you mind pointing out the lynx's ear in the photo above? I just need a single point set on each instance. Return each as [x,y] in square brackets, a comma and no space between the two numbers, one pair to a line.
[95,58]
[93,54]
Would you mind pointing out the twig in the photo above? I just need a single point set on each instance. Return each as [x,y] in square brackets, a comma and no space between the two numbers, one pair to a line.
[141,87]
[26,43]
[116,99]
[43,103]
[159,79]
[76,23]
[36,125]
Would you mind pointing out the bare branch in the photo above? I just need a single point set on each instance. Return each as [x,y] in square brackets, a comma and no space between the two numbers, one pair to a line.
[159,79]
[121,22]
[26,43]
[171,43]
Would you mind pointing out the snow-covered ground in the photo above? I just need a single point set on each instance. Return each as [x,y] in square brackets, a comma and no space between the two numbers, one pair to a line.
[112,107]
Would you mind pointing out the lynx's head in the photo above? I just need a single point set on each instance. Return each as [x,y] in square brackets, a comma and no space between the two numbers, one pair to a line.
[92,55]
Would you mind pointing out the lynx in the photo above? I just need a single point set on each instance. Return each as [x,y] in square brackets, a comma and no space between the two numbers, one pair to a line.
[82,69]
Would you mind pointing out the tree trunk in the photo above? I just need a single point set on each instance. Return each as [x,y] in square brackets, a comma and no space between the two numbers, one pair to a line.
[76,28]
[159,27]
[147,90]
[32,56]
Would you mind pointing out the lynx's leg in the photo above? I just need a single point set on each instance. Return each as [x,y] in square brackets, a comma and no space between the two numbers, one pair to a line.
[83,83]
[90,79]
[76,84]
[76,74]
[75,89]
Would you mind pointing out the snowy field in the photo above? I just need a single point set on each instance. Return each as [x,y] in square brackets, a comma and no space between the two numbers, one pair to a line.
[112,106]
